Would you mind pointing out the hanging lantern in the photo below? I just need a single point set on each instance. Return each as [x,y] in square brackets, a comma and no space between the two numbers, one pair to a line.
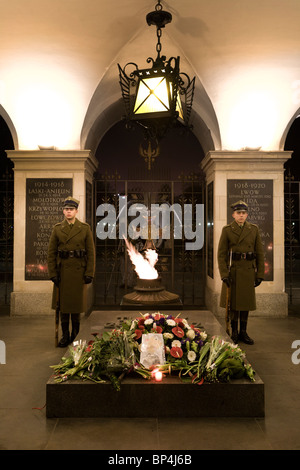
[157,98]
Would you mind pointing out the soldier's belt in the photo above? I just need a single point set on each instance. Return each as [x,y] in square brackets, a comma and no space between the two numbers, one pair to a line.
[64,254]
[237,256]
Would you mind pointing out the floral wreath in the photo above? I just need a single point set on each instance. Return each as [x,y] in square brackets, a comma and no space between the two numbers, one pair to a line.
[189,352]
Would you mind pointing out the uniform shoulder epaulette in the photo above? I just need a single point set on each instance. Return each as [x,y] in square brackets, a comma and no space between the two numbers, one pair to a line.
[59,223]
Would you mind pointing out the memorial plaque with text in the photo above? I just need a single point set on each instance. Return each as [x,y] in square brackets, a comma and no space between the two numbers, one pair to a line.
[258,194]
[44,202]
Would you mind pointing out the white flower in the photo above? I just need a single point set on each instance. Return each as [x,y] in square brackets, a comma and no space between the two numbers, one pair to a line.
[176,344]
[167,349]
[148,321]
[171,322]
[203,335]
[190,334]
[133,325]
[168,335]
[184,321]
[191,356]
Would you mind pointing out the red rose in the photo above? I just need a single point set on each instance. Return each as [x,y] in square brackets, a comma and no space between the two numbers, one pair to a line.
[158,329]
[177,331]
[141,327]
[176,352]
[141,321]
[138,333]
[157,317]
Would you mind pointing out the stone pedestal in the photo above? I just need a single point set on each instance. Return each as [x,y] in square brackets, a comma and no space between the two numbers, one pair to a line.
[219,167]
[78,399]
[33,297]
[85,399]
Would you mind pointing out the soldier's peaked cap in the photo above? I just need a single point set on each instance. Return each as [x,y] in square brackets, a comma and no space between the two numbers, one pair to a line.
[239,206]
[71,202]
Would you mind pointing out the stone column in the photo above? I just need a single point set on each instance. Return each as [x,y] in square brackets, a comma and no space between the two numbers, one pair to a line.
[33,297]
[221,166]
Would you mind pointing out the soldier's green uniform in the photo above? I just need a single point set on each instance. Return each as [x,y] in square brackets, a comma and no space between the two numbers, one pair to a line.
[71,265]
[246,271]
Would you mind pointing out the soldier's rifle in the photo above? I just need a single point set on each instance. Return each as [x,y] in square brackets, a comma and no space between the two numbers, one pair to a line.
[228,298]
[57,310]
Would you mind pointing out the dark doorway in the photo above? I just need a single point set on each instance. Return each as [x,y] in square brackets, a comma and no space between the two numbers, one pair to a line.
[6,217]
[119,150]
[174,177]
[292,216]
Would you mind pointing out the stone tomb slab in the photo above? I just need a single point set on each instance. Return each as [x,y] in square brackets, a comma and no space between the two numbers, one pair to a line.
[142,398]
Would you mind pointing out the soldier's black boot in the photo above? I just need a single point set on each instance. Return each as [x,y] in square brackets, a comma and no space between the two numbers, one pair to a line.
[75,318]
[243,336]
[234,331]
[65,340]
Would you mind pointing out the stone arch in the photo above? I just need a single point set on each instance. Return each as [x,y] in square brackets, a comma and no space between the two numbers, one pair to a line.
[290,142]
[286,131]
[105,110]
[10,126]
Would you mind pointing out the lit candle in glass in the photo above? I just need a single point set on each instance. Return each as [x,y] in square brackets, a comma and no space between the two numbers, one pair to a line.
[158,376]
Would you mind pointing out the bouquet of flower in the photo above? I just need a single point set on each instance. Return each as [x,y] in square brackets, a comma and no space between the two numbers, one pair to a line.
[108,356]
[181,339]
[189,351]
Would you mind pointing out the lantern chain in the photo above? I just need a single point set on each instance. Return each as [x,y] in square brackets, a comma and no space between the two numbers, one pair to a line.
[158,45]
[158,7]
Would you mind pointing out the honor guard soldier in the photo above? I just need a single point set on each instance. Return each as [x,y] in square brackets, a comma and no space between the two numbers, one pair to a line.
[71,265]
[241,266]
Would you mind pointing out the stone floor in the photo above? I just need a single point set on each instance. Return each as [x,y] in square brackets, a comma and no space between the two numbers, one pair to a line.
[30,351]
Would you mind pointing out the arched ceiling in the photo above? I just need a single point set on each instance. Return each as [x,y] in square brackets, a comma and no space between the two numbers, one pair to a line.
[58,62]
